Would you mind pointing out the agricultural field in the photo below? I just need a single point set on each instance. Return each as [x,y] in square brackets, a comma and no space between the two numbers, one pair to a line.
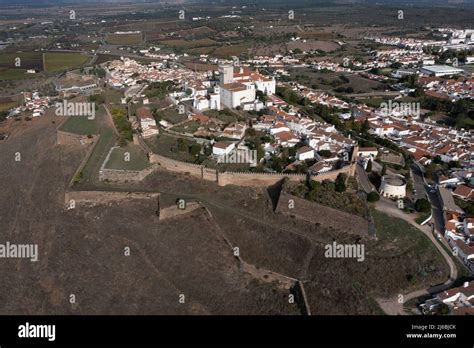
[189,44]
[326,46]
[104,58]
[124,39]
[232,50]
[202,50]
[337,82]
[13,74]
[8,103]
[196,33]
[28,60]
[56,61]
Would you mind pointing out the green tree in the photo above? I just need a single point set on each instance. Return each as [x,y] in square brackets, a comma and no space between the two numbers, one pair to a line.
[419,92]
[341,182]
[373,197]
[422,205]
[365,126]
[182,145]
[384,169]
[325,153]
[430,170]
[195,149]
[409,185]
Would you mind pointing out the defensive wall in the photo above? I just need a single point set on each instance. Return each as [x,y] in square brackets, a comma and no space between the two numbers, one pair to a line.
[244,178]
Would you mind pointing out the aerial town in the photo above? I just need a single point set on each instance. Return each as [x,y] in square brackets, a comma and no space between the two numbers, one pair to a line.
[239,150]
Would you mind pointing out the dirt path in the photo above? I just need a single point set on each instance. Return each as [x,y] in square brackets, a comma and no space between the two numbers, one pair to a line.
[110,120]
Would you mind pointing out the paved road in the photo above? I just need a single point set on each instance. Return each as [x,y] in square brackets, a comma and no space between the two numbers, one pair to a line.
[437,209]
[418,182]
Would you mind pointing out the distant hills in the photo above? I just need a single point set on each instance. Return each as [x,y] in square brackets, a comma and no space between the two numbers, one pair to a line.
[269,3]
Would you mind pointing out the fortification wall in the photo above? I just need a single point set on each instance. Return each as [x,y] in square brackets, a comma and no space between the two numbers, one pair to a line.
[117,175]
[267,179]
[244,178]
[255,179]
[177,166]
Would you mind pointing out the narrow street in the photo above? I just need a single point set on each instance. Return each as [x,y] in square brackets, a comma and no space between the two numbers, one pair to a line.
[418,182]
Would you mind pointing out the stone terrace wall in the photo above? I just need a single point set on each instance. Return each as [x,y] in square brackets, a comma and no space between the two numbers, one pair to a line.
[102,197]
[117,175]
[65,138]
[183,167]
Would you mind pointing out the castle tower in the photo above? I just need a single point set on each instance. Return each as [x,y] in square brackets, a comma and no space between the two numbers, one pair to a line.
[226,73]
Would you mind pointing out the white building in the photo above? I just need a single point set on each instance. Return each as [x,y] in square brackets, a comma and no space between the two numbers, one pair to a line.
[235,94]
[215,100]
[371,152]
[278,128]
[468,225]
[320,167]
[440,70]
[305,153]
[147,122]
[238,87]
[393,187]
[222,148]
[234,131]
[201,103]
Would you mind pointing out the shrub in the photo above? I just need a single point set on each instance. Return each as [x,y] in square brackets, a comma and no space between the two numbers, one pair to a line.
[195,149]
[325,153]
[373,197]
[341,183]
[422,205]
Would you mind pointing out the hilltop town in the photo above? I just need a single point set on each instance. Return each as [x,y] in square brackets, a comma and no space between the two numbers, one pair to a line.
[267,141]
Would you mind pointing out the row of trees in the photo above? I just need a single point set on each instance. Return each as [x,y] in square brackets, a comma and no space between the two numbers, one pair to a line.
[123,126]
